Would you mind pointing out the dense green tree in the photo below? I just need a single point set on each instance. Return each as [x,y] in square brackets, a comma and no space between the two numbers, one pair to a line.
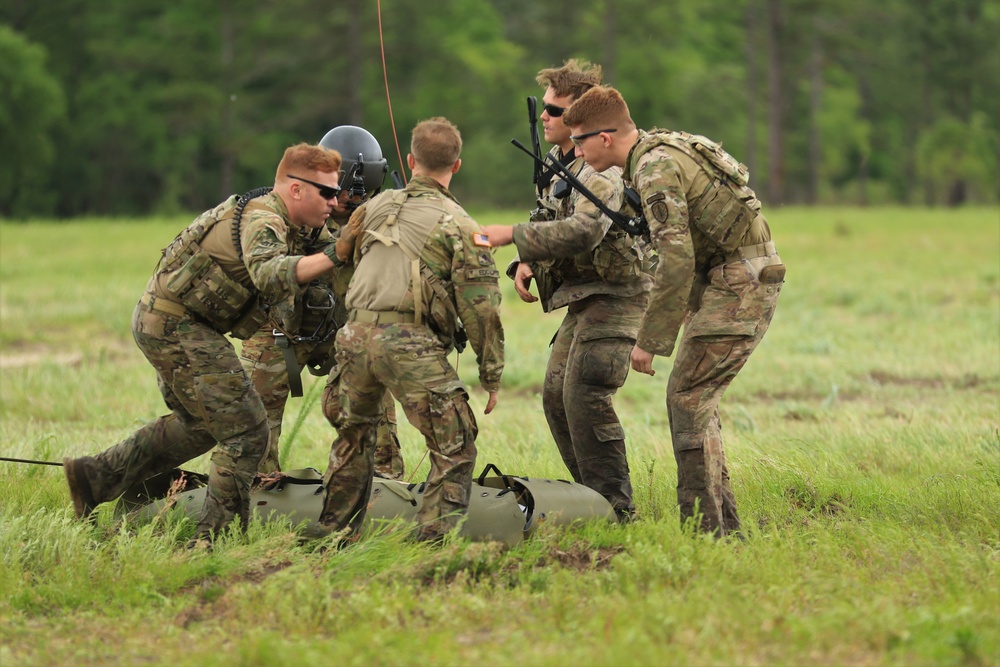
[32,108]
[158,107]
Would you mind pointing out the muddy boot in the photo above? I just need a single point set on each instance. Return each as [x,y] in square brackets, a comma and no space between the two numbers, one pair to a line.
[79,486]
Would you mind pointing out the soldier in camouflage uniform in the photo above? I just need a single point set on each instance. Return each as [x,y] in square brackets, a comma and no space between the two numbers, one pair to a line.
[263,356]
[236,265]
[719,274]
[580,260]
[422,267]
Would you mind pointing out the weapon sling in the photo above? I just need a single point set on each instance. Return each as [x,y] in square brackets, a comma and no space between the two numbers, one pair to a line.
[633,226]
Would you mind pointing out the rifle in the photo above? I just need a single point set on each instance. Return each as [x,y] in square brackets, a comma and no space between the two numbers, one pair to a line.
[397,180]
[634,226]
[536,145]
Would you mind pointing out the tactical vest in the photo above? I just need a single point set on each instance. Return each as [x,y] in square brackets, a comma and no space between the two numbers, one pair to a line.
[726,210]
[195,279]
[619,258]
[427,297]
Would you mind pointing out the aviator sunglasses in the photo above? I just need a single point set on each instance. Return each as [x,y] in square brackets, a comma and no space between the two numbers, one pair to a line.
[325,191]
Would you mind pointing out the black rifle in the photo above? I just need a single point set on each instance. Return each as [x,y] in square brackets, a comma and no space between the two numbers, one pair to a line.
[536,146]
[635,226]
[397,180]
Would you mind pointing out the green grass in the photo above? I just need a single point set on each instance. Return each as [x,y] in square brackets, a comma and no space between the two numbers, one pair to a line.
[863,441]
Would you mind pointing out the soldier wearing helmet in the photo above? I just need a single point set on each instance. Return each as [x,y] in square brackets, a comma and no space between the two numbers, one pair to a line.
[273,358]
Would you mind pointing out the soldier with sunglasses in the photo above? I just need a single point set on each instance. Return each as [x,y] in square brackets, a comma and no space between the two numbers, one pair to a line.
[601,275]
[237,265]
[719,276]
[274,357]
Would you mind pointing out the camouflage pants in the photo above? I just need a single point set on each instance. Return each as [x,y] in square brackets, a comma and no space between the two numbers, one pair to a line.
[213,404]
[735,312]
[409,361]
[588,363]
[264,362]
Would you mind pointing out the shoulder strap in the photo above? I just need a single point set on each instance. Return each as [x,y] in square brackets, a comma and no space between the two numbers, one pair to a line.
[709,155]
[241,204]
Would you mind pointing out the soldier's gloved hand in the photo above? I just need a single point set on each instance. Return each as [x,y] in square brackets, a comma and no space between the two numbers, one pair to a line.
[348,234]
[491,403]
[350,231]
[522,282]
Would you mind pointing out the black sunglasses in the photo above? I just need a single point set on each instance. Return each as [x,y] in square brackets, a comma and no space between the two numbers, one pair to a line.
[325,191]
[577,139]
[553,110]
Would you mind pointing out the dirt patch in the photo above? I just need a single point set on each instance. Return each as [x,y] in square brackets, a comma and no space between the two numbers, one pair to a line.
[582,557]
[259,574]
[879,378]
[970,381]
[36,357]
[23,354]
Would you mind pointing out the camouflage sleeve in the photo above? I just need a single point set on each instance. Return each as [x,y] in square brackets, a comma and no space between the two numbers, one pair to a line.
[452,253]
[658,181]
[580,232]
[512,266]
[319,241]
[269,258]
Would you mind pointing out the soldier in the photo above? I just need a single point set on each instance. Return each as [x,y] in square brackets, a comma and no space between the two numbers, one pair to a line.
[236,265]
[267,355]
[719,273]
[423,268]
[601,274]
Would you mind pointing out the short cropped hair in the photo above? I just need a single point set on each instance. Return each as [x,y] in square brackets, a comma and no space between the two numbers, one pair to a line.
[574,78]
[436,143]
[599,108]
[307,157]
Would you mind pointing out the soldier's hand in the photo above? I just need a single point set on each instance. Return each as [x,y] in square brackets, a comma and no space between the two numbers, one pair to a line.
[491,403]
[522,282]
[642,361]
[350,231]
[499,234]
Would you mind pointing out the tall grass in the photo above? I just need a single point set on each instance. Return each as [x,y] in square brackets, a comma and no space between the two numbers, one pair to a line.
[863,441]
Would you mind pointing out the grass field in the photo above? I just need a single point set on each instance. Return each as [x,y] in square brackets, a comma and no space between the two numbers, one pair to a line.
[863,441]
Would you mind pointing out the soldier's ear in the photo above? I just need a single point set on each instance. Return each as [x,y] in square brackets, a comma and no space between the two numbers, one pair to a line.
[455,167]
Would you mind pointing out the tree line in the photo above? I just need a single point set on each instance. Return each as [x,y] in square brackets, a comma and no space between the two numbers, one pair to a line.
[138,107]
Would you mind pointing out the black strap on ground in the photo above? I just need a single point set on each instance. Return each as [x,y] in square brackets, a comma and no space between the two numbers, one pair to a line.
[39,463]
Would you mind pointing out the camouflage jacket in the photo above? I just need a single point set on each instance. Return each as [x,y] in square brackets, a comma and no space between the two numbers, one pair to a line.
[452,250]
[577,252]
[672,183]
[264,264]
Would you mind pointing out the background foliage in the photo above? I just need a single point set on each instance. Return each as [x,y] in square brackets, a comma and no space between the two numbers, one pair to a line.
[152,107]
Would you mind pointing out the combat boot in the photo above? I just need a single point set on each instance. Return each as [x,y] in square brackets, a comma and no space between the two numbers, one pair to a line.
[79,486]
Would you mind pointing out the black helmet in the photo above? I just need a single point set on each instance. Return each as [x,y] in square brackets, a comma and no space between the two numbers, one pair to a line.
[362,156]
